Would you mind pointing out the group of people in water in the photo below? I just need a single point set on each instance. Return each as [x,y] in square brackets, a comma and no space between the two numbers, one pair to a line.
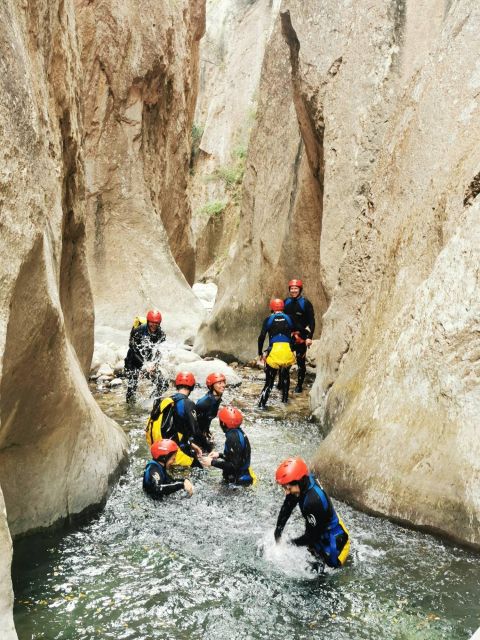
[178,430]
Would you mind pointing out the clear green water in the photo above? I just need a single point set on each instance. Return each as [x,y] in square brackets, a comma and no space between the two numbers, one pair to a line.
[207,567]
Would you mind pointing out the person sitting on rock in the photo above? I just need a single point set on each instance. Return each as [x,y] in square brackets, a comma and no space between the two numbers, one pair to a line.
[279,355]
[300,310]
[207,407]
[235,459]
[156,480]
[143,355]
[325,534]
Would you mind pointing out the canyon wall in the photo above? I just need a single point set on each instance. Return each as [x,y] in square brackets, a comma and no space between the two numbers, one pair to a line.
[95,146]
[58,452]
[398,357]
[231,56]
[362,178]
[139,71]
[7,628]
[280,222]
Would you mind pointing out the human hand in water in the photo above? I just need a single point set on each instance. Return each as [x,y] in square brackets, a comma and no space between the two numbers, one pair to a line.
[206,461]
[188,486]
[308,342]
[197,449]
[214,454]
[149,367]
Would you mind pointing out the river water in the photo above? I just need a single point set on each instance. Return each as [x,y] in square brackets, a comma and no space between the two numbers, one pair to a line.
[208,567]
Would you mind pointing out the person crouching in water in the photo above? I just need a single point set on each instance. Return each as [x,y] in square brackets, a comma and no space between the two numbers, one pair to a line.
[235,459]
[325,534]
[207,407]
[280,355]
[156,480]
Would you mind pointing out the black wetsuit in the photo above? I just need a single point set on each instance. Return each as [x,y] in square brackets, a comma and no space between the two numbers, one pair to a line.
[279,328]
[184,421]
[302,314]
[157,482]
[235,460]
[207,409]
[141,348]
[324,534]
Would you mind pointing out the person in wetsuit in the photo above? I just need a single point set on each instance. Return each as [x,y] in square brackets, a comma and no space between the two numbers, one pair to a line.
[207,407]
[156,480]
[325,534]
[181,424]
[300,310]
[279,355]
[235,459]
[143,355]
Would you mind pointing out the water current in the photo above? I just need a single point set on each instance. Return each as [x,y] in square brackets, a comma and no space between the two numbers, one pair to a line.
[208,567]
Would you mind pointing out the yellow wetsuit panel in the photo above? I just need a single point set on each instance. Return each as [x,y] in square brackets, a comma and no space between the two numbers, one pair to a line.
[346,549]
[281,355]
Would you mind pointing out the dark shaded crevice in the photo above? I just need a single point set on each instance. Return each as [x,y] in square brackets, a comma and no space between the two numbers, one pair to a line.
[296,168]
[472,191]
[159,150]
[309,110]
[397,13]
[74,284]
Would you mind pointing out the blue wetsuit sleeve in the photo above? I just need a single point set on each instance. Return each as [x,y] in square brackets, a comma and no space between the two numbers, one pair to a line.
[231,460]
[288,506]
[159,487]
[135,346]
[310,314]
[261,337]
[191,432]
[316,521]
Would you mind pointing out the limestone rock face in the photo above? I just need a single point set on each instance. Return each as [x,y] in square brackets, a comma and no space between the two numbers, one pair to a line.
[139,89]
[281,203]
[362,176]
[6,594]
[398,366]
[231,56]
[58,452]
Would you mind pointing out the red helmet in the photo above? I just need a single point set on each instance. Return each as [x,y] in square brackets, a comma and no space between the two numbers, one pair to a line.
[162,448]
[154,315]
[295,283]
[291,470]
[277,304]
[212,378]
[231,417]
[185,379]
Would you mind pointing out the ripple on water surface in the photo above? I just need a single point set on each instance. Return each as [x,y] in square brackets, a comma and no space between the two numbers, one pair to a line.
[208,567]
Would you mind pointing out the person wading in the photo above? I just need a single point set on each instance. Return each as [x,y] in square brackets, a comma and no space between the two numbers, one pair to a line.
[279,355]
[235,459]
[182,427]
[143,355]
[156,480]
[207,407]
[325,534]
[300,310]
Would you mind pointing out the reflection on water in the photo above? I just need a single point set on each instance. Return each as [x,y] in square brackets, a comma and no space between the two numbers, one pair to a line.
[208,567]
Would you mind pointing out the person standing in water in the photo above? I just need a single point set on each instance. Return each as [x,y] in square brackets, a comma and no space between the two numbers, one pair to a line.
[279,355]
[300,310]
[143,355]
[156,480]
[235,459]
[325,534]
[207,407]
